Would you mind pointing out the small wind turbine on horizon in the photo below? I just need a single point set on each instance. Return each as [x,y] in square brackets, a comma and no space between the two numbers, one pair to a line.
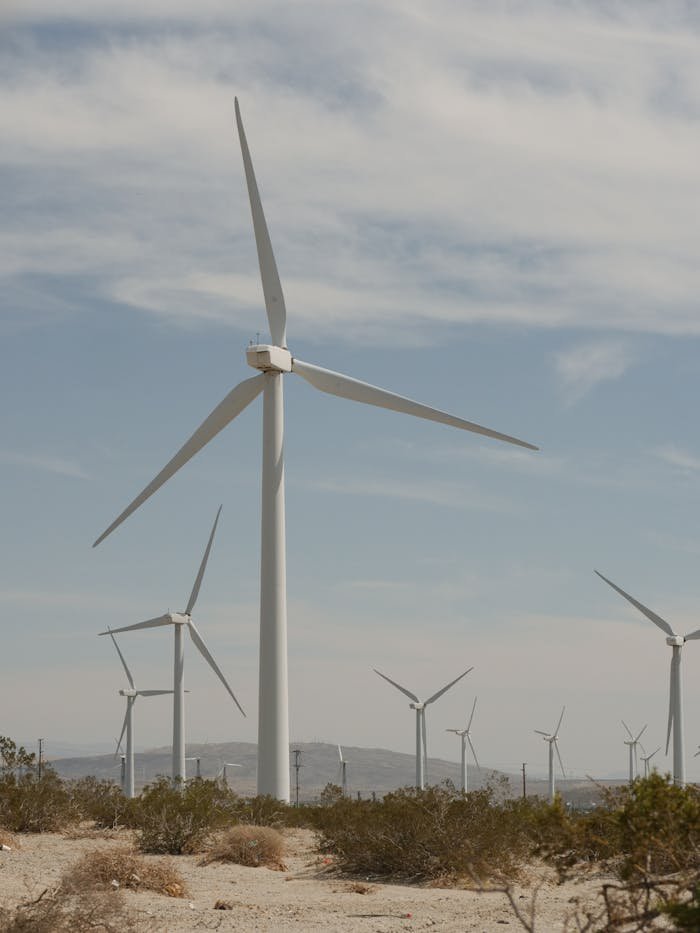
[675,702]
[273,361]
[180,620]
[632,742]
[128,726]
[198,771]
[421,735]
[553,739]
[343,772]
[466,737]
[222,772]
[647,758]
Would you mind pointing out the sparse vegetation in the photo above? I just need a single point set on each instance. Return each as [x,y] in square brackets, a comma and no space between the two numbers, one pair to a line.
[122,867]
[103,802]
[255,846]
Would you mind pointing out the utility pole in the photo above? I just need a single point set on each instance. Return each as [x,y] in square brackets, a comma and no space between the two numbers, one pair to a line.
[524,785]
[297,765]
[41,744]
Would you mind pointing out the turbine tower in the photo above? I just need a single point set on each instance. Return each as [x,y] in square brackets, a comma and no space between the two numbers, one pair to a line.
[647,758]
[421,737]
[466,737]
[273,361]
[675,703]
[131,693]
[553,738]
[343,769]
[180,620]
[632,742]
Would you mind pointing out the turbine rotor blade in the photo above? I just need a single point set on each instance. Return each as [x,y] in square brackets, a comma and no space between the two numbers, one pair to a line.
[346,387]
[121,734]
[204,651]
[149,623]
[153,693]
[641,733]
[652,616]
[425,746]
[121,657]
[469,724]
[202,567]
[235,402]
[561,763]
[272,289]
[627,728]
[693,635]
[556,731]
[408,693]
[435,696]
[540,732]
[671,694]
[340,754]
[474,753]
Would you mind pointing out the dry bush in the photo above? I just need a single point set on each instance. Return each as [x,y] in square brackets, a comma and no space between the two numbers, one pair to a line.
[58,911]
[255,846]
[101,801]
[29,804]
[101,868]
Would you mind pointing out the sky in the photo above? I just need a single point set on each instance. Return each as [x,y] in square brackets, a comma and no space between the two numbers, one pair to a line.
[488,207]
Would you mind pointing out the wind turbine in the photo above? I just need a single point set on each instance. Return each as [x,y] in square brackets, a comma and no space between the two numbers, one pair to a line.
[553,738]
[198,772]
[421,738]
[128,726]
[222,773]
[180,620]
[675,703]
[343,769]
[466,737]
[632,742]
[273,361]
[646,759]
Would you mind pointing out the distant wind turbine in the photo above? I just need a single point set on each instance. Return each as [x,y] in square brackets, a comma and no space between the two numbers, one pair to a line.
[180,620]
[273,361]
[647,758]
[343,770]
[466,737]
[675,703]
[421,737]
[128,726]
[553,738]
[198,772]
[222,773]
[632,742]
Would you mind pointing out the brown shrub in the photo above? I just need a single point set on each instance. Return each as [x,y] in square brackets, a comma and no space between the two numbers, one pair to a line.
[58,911]
[101,868]
[8,839]
[254,846]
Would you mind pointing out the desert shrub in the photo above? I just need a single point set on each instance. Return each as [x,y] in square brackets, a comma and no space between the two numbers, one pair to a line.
[263,811]
[15,759]
[254,846]
[102,801]
[8,839]
[29,804]
[58,911]
[103,867]
[417,835]
[176,820]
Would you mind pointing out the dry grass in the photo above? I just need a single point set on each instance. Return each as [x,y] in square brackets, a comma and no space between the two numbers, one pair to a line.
[254,846]
[59,911]
[124,868]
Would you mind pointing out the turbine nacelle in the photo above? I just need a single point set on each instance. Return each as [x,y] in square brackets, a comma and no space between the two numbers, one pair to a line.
[675,641]
[128,693]
[269,358]
[416,706]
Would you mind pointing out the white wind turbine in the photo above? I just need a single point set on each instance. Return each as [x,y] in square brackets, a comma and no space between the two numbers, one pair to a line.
[646,759]
[466,737]
[421,737]
[675,703]
[222,772]
[128,726]
[553,739]
[632,742]
[273,361]
[343,770]
[180,620]
[198,770]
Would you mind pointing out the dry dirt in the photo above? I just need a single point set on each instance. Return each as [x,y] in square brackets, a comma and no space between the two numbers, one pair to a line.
[307,896]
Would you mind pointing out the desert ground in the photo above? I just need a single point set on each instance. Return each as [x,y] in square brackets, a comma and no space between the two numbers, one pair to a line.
[307,895]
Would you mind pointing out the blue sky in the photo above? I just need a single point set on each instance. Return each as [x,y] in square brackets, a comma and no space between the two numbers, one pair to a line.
[491,208]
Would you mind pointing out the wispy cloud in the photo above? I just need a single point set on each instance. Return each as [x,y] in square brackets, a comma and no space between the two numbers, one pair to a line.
[583,367]
[430,492]
[45,462]
[675,456]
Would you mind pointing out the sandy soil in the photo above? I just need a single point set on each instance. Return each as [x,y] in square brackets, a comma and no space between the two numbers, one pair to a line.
[307,896]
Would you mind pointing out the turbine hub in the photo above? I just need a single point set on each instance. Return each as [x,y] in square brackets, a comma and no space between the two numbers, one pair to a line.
[269,358]
[179,618]
[416,705]
[675,641]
